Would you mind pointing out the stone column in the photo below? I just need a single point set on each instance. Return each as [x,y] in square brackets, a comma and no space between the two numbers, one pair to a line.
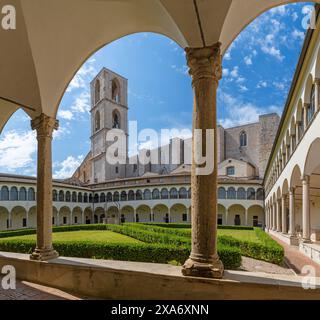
[297,132]
[27,218]
[274,226]
[246,216]
[206,71]
[82,217]
[278,202]
[291,212]
[284,216]
[305,115]
[44,126]
[306,208]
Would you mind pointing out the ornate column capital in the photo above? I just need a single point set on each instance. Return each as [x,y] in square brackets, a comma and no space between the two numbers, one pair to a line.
[305,179]
[205,62]
[44,125]
[292,190]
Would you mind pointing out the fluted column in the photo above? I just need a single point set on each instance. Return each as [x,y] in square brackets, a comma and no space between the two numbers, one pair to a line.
[306,208]
[274,225]
[291,212]
[44,126]
[284,215]
[206,71]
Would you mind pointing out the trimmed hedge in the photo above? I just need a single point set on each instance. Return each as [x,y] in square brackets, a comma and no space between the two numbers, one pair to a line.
[156,253]
[188,226]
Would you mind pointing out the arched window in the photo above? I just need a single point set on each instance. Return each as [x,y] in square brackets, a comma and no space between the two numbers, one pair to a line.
[97,121]
[90,198]
[139,195]
[164,194]
[231,193]
[54,195]
[79,197]
[109,197]
[312,106]
[155,194]
[243,139]
[68,196]
[97,91]
[260,194]
[13,194]
[147,194]
[189,193]
[116,196]
[123,196]
[61,196]
[31,195]
[251,194]
[183,193]
[4,193]
[173,193]
[85,198]
[241,194]
[222,193]
[131,195]
[96,198]
[74,196]
[22,194]
[115,93]
[115,120]
[102,198]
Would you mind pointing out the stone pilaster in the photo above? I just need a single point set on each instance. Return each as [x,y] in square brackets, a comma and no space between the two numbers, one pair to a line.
[44,127]
[306,208]
[317,94]
[278,204]
[206,70]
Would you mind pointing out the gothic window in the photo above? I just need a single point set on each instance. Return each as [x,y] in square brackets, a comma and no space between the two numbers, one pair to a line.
[155,194]
[116,121]
[123,196]
[183,193]
[243,139]
[139,195]
[4,193]
[74,197]
[79,197]
[221,193]
[173,193]
[260,194]
[102,198]
[97,121]
[251,194]
[131,195]
[68,196]
[116,196]
[147,194]
[97,91]
[115,91]
[61,196]
[109,197]
[31,195]
[164,194]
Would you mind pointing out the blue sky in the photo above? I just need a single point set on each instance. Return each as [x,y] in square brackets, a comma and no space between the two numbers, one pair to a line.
[258,69]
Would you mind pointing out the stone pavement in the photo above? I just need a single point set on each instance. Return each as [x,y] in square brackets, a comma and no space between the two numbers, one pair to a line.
[297,260]
[31,291]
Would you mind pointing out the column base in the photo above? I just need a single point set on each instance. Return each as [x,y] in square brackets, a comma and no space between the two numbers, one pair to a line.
[44,254]
[193,268]
[306,241]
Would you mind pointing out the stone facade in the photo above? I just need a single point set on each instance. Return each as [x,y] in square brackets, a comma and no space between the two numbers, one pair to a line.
[110,109]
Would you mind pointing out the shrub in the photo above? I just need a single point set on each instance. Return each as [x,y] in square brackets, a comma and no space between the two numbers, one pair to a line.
[157,253]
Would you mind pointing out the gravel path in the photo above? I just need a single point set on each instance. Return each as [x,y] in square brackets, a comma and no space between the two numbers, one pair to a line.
[252,265]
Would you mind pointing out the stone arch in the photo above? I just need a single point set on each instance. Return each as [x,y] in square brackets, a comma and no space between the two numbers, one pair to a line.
[164,193]
[183,193]
[113,215]
[4,218]
[76,215]
[123,196]
[231,193]
[127,214]
[295,179]
[131,195]
[55,216]
[155,194]
[179,213]
[236,215]
[74,197]
[88,215]
[241,193]
[18,217]
[64,215]
[222,215]
[174,193]
[23,194]
[116,119]
[14,195]
[256,216]
[160,213]
[32,217]
[99,215]
[146,194]
[4,193]
[143,213]
[97,89]
[308,89]
[222,194]
[115,90]
[312,161]
[61,196]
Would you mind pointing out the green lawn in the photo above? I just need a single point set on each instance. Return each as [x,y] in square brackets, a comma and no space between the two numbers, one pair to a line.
[246,235]
[74,236]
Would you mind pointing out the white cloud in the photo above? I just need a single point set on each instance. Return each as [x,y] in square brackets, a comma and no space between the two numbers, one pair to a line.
[279,85]
[65,114]
[243,88]
[17,150]
[294,16]
[296,34]
[225,72]
[82,103]
[272,51]
[239,112]
[248,60]
[227,55]
[67,167]
[235,72]
[183,70]
[262,84]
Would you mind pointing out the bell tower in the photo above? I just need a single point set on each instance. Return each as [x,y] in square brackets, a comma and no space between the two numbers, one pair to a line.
[109,109]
